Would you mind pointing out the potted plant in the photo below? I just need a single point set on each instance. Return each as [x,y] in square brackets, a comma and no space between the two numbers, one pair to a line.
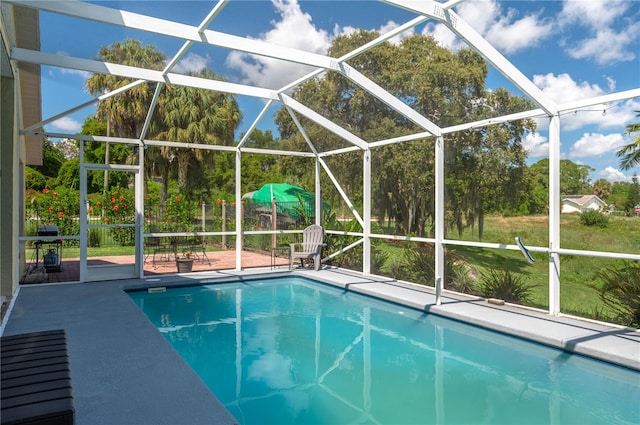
[184,264]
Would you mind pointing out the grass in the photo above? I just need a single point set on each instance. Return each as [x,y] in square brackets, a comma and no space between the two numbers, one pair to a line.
[577,273]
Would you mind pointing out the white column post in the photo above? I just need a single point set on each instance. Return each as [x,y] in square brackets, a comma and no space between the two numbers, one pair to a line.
[83,216]
[554,215]
[139,217]
[318,206]
[238,210]
[439,218]
[366,213]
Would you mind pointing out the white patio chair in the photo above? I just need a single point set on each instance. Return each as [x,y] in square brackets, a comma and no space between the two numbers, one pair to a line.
[311,246]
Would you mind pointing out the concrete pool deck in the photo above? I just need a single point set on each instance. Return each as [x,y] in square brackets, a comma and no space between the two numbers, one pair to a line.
[125,372]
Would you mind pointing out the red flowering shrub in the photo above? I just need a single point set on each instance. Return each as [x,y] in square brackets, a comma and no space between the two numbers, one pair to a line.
[120,209]
[179,214]
[59,207]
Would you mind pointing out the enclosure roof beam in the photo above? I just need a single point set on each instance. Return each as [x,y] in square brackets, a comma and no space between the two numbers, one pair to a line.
[342,193]
[452,3]
[479,44]
[107,68]
[182,31]
[390,100]
[255,122]
[600,100]
[373,43]
[322,121]
[301,129]
[82,106]
[185,47]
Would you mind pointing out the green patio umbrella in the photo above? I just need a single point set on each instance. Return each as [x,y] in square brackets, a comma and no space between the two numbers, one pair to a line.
[287,198]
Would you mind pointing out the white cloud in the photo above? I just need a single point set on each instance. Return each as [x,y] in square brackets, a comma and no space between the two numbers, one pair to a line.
[536,145]
[506,31]
[391,25]
[192,62]
[82,74]
[595,14]
[67,125]
[608,46]
[295,29]
[611,35]
[611,83]
[595,144]
[613,174]
[563,88]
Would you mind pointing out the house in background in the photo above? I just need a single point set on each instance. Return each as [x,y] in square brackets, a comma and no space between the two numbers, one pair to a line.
[582,203]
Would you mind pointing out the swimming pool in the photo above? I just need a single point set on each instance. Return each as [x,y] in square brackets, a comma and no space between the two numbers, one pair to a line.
[289,350]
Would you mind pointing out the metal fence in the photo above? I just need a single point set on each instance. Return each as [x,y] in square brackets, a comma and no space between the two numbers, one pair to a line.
[219,217]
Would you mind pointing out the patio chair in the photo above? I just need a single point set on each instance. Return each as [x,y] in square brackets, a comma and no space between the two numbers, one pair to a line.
[310,248]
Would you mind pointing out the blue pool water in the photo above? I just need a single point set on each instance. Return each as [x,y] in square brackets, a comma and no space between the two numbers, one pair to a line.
[291,351]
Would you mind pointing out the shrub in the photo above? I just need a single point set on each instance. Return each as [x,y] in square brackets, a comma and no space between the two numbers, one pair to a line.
[119,207]
[418,266]
[620,291]
[594,218]
[33,179]
[352,258]
[94,237]
[462,281]
[179,213]
[59,207]
[506,286]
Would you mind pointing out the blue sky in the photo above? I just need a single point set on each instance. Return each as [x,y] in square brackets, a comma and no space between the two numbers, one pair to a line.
[570,49]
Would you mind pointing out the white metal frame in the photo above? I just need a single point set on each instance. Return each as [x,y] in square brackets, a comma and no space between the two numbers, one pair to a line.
[425,10]
[125,271]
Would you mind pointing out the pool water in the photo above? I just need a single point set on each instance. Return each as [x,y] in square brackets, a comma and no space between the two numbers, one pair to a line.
[292,351]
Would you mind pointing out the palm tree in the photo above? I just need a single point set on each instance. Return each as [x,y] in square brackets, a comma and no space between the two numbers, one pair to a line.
[127,111]
[630,154]
[197,116]
[602,188]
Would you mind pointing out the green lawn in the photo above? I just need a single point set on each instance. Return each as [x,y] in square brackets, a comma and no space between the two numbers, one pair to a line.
[577,273]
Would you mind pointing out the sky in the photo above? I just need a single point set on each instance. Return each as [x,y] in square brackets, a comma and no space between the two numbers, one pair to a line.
[570,49]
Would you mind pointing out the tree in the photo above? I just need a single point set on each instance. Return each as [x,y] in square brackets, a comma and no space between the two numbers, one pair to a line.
[68,148]
[124,115]
[602,188]
[52,159]
[69,175]
[633,196]
[33,179]
[95,152]
[574,178]
[192,115]
[259,169]
[182,114]
[126,112]
[630,154]
[444,86]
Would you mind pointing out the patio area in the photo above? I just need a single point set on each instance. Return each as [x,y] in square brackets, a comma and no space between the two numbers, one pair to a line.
[216,260]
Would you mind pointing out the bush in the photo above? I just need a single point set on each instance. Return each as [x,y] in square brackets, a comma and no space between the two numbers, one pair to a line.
[621,292]
[59,207]
[594,218]
[94,237]
[504,285]
[34,179]
[119,207]
[179,213]
[418,266]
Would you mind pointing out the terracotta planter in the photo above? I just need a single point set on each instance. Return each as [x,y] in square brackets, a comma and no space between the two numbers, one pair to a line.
[184,265]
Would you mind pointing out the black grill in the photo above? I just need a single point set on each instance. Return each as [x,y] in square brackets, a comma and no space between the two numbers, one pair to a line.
[48,230]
